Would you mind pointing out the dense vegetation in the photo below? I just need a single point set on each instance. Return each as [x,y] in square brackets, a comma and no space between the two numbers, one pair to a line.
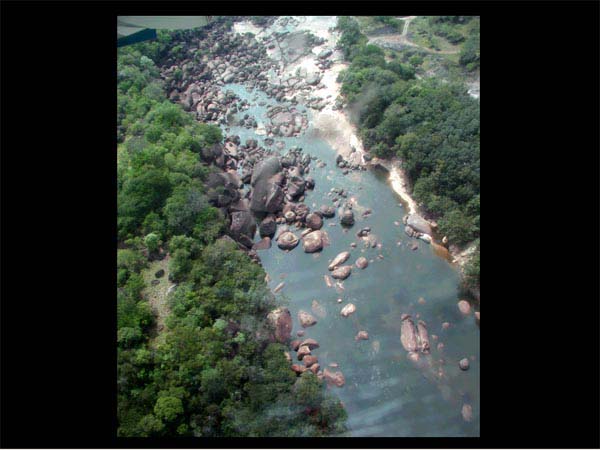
[214,372]
[431,125]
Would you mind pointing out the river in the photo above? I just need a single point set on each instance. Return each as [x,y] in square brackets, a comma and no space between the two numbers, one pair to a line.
[385,394]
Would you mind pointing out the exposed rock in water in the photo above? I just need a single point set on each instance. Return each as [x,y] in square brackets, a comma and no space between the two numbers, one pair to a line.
[335,378]
[263,244]
[310,343]
[295,345]
[279,287]
[341,273]
[464,364]
[281,320]
[314,221]
[339,259]
[347,217]
[362,262]
[268,226]
[313,241]
[299,369]
[327,211]
[408,334]
[423,337]
[464,307]
[362,335]
[306,319]
[419,224]
[287,241]
[477,315]
[309,360]
[348,309]
[302,352]
[467,412]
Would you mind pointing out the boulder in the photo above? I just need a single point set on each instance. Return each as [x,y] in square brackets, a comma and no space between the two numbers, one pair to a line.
[314,221]
[295,345]
[315,368]
[287,241]
[268,226]
[423,337]
[267,195]
[348,309]
[362,335]
[309,360]
[341,273]
[339,259]
[299,369]
[335,378]
[419,224]
[464,307]
[327,211]
[310,343]
[408,334]
[313,241]
[242,224]
[263,244]
[464,364]
[306,319]
[347,218]
[302,352]
[362,262]
[281,320]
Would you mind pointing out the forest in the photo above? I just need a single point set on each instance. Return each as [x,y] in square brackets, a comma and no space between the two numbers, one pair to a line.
[213,369]
[432,125]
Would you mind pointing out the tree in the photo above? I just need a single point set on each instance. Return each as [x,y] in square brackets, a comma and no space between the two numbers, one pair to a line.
[168,408]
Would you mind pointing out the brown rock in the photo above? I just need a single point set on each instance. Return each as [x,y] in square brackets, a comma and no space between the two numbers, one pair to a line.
[315,368]
[295,345]
[299,368]
[335,378]
[302,352]
[314,221]
[313,241]
[309,360]
[423,337]
[281,320]
[467,412]
[287,240]
[310,343]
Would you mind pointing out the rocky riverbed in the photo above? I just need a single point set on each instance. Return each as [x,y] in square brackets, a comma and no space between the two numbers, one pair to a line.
[295,184]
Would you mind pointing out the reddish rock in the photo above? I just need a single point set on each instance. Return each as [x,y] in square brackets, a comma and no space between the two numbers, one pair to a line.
[281,320]
[335,378]
[362,335]
[315,368]
[295,345]
[299,368]
[348,309]
[310,343]
[306,319]
[309,360]
[361,262]
[464,307]
[302,352]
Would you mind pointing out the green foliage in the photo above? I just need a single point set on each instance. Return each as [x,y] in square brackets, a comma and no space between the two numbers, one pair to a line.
[212,373]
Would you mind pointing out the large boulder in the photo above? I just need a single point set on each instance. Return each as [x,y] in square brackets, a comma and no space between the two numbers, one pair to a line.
[281,320]
[243,227]
[419,224]
[306,319]
[408,334]
[313,241]
[267,195]
[287,240]
[310,343]
[464,307]
[341,273]
[302,352]
[309,360]
[339,259]
[327,211]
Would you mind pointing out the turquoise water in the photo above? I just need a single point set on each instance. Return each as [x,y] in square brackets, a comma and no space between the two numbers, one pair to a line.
[385,393]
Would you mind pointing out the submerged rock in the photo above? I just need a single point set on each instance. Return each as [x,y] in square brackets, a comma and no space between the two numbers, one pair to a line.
[467,412]
[335,378]
[362,335]
[318,309]
[339,259]
[464,307]
[309,360]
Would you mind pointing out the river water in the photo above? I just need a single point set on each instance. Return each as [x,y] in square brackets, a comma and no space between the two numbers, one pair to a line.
[385,394]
